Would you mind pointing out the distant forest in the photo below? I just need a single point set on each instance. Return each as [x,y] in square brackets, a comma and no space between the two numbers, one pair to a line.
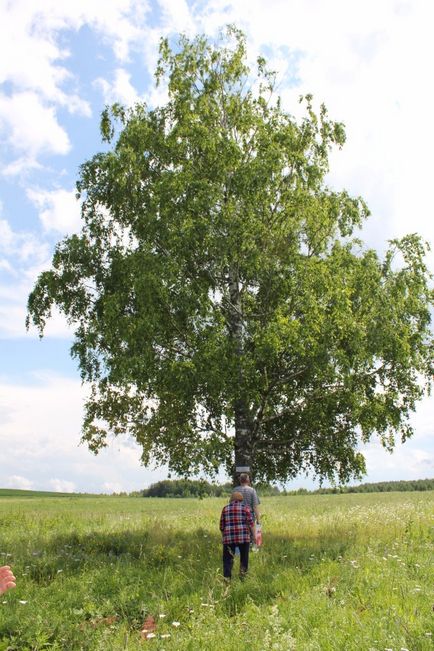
[201,488]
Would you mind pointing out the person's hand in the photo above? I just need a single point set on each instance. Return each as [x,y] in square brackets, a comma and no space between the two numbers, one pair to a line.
[7,579]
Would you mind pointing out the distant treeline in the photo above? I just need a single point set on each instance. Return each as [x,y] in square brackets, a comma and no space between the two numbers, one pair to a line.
[198,488]
[379,487]
[201,488]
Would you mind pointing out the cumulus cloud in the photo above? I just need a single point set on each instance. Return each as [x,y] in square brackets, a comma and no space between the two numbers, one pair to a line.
[23,255]
[42,417]
[16,481]
[32,126]
[112,487]
[62,485]
[22,245]
[59,209]
[177,17]
[120,90]
[37,73]
[408,461]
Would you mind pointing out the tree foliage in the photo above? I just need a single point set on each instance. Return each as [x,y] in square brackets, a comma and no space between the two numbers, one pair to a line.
[222,309]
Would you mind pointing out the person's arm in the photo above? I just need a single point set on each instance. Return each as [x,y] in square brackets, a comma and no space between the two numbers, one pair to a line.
[250,522]
[222,521]
[256,507]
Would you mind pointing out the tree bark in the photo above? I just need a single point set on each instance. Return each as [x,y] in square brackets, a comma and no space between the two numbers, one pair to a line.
[243,430]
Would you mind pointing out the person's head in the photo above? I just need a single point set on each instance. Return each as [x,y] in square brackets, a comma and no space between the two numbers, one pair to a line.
[244,478]
[237,497]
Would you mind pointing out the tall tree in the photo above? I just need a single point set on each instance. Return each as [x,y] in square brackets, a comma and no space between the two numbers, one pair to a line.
[222,311]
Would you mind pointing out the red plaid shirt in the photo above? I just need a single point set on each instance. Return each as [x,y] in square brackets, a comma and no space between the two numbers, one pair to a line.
[235,522]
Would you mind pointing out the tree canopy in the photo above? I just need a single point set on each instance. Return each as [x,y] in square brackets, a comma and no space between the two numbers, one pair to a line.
[223,310]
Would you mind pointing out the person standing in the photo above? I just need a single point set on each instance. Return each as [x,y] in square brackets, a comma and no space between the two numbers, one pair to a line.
[250,496]
[236,525]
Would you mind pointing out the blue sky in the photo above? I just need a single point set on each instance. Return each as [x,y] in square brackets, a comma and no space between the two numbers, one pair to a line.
[62,61]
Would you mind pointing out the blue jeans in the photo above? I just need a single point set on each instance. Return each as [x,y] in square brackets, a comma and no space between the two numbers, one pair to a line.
[228,558]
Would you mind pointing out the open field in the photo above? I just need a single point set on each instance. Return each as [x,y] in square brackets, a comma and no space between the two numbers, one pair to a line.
[336,572]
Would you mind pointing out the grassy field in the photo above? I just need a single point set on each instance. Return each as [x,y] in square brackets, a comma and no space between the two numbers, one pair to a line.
[336,572]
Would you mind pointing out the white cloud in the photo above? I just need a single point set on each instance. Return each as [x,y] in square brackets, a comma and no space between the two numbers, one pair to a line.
[21,483]
[62,486]
[40,425]
[407,462]
[32,127]
[176,17]
[34,63]
[59,209]
[23,246]
[23,255]
[112,487]
[20,166]
[121,90]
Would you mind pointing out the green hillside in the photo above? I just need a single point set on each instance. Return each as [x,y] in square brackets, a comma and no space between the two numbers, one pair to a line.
[14,492]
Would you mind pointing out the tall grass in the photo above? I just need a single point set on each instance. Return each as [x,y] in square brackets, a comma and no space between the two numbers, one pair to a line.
[350,572]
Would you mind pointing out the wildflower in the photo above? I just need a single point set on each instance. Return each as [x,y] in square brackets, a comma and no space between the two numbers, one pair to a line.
[21,601]
[176,624]
[149,636]
[161,615]
[164,636]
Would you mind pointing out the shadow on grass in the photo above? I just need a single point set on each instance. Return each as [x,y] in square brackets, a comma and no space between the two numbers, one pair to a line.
[80,584]
[161,564]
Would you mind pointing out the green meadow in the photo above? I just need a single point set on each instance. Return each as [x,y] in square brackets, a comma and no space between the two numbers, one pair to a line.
[336,572]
